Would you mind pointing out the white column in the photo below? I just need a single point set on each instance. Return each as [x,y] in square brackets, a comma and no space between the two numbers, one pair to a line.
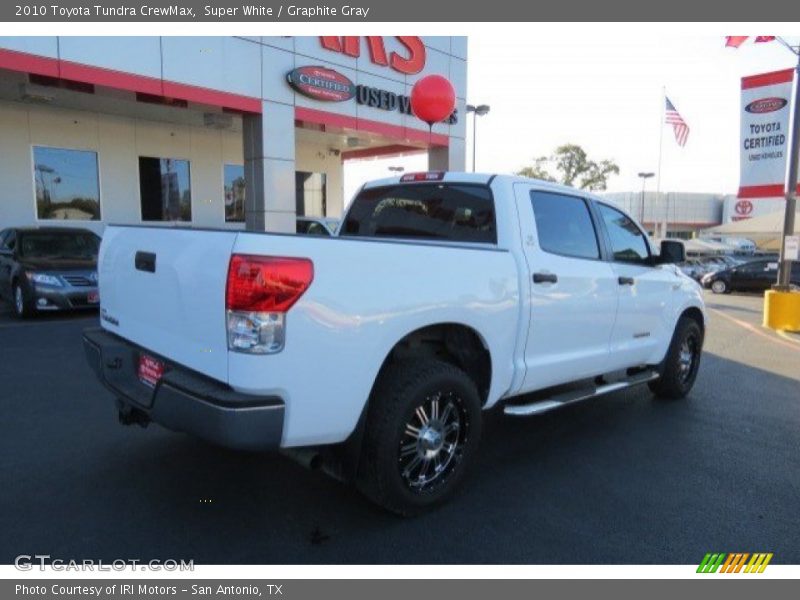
[269,167]
[448,158]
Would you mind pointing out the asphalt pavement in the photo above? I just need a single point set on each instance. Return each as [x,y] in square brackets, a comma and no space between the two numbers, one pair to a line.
[623,479]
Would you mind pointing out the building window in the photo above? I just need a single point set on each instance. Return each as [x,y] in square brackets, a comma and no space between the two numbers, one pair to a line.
[165,188]
[311,196]
[66,184]
[234,193]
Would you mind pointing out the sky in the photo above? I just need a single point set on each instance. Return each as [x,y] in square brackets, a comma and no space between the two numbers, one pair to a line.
[605,93]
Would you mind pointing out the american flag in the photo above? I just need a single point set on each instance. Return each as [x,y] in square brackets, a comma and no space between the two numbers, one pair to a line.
[734,41]
[679,126]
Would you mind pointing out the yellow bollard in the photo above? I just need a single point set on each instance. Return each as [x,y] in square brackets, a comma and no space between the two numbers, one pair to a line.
[782,310]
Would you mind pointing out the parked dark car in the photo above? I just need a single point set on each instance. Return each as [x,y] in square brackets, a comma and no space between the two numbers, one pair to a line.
[752,276]
[48,268]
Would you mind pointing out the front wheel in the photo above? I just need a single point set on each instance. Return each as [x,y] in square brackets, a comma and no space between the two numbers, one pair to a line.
[679,369]
[719,287]
[422,432]
[23,305]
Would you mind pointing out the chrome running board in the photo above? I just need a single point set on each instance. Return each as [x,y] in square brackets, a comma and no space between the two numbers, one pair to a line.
[573,396]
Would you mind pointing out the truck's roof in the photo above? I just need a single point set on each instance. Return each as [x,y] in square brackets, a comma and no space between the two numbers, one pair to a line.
[481,178]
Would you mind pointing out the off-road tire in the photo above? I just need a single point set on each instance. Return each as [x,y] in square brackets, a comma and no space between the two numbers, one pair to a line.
[676,376]
[402,388]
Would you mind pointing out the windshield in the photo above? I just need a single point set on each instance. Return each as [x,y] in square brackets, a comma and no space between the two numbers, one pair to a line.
[440,211]
[59,245]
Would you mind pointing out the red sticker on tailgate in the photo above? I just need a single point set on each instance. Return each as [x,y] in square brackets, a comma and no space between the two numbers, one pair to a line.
[150,370]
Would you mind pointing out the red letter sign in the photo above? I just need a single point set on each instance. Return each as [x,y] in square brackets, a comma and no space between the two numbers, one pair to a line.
[409,65]
[415,61]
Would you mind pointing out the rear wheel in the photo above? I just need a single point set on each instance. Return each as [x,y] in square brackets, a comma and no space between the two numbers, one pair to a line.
[23,304]
[679,369]
[719,287]
[422,431]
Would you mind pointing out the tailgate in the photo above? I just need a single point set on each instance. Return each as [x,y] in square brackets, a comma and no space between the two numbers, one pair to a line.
[164,289]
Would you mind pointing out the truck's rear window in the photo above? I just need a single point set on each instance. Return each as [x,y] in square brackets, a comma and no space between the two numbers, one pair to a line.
[436,211]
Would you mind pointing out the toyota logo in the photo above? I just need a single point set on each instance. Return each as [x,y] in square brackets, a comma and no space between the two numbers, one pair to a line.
[744,207]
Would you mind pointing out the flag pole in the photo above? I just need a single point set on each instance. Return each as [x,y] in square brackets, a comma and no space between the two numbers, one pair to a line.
[660,153]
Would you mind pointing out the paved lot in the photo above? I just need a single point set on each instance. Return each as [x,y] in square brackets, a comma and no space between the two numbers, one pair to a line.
[625,479]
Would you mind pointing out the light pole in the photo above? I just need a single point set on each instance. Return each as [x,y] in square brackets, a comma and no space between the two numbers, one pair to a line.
[645,176]
[785,266]
[781,303]
[477,111]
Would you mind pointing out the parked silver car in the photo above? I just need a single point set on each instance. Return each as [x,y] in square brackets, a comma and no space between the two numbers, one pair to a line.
[48,268]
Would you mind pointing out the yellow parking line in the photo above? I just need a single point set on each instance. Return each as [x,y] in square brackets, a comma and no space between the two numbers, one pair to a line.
[753,329]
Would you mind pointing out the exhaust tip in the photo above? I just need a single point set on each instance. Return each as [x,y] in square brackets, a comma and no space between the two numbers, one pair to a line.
[309,458]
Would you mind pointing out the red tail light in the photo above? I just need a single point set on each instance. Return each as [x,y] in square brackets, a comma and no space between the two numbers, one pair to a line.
[266,283]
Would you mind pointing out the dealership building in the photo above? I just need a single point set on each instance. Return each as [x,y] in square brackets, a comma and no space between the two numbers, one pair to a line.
[686,214]
[222,132]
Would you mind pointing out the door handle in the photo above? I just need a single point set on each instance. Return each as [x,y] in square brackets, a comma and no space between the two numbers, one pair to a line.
[145,261]
[545,278]
[625,280]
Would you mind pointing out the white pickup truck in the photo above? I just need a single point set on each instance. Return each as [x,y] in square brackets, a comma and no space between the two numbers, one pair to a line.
[374,352]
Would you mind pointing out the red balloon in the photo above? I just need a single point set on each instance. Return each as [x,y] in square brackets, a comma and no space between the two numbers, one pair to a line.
[433,99]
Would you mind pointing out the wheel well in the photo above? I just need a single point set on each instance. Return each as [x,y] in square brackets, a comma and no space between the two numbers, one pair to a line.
[694,313]
[457,344]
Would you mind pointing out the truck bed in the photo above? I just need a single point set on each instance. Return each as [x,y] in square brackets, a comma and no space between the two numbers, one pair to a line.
[366,295]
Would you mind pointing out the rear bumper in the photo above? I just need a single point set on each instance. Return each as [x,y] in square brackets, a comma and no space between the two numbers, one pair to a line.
[185,400]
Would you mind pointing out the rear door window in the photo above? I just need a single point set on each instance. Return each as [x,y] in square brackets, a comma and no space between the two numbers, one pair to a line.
[754,271]
[770,270]
[438,211]
[564,225]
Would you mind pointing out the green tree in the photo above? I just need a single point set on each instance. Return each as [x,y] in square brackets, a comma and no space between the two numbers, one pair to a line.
[572,167]
[538,170]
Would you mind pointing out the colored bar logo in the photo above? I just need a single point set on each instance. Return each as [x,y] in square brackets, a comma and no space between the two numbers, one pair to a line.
[734,562]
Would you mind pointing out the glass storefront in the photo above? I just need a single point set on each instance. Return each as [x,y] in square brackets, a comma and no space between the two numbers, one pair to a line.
[165,189]
[234,189]
[66,183]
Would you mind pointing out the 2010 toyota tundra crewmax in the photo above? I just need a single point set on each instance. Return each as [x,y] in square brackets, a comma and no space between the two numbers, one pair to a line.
[375,352]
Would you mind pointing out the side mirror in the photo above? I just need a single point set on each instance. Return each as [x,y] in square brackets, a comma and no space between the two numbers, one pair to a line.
[672,252]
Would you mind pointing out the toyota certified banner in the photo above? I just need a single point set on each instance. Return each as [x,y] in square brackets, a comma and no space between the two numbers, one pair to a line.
[764,133]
